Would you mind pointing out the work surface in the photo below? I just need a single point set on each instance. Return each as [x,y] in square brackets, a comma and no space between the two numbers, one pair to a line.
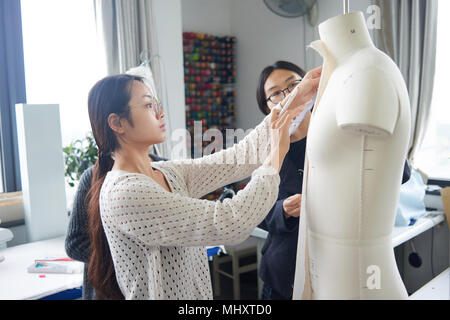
[18,284]
[436,289]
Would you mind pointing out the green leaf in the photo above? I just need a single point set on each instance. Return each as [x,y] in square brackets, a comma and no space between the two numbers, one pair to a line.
[78,156]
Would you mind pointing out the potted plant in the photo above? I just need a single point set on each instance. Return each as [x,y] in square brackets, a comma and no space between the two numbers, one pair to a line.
[78,156]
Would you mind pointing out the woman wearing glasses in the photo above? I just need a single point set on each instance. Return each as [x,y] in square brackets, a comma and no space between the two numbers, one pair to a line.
[279,252]
[148,226]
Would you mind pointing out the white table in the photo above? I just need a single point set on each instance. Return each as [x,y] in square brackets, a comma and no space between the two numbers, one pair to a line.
[17,284]
[436,289]
[403,234]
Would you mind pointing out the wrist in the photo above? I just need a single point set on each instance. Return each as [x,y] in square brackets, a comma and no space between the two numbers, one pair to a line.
[275,159]
[281,152]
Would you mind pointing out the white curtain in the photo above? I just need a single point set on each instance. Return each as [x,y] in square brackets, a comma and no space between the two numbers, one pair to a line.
[131,46]
[408,35]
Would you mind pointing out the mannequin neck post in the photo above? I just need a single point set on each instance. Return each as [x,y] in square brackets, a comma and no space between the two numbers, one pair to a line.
[345,34]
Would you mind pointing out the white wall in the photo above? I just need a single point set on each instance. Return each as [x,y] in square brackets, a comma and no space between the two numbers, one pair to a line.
[207,16]
[262,38]
[168,26]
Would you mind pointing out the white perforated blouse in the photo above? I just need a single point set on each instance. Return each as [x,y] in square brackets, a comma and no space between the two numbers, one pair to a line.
[157,238]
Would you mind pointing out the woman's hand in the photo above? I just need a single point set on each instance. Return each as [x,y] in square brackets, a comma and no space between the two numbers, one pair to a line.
[279,135]
[291,206]
[306,88]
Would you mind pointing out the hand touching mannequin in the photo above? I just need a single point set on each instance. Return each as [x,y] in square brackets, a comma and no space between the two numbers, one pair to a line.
[357,143]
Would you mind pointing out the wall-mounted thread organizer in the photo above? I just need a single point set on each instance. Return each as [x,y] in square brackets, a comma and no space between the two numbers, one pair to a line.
[209,77]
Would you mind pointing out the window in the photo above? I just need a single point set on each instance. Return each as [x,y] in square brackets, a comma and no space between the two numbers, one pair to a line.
[434,155]
[62,59]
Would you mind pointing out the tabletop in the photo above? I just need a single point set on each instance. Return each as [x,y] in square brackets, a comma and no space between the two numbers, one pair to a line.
[18,284]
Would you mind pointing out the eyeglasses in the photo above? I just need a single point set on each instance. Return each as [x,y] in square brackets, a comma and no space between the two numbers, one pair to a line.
[156,107]
[279,95]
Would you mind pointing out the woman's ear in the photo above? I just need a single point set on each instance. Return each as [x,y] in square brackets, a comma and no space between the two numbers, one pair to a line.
[115,124]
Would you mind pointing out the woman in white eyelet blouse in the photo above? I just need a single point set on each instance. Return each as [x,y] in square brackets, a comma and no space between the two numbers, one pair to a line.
[148,214]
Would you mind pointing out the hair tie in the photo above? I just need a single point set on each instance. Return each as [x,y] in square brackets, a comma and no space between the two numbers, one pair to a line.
[102,154]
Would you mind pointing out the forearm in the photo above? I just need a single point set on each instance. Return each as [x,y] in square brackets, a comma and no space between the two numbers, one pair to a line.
[275,158]
[276,221]
[176,220]
[78,247]
[210,172]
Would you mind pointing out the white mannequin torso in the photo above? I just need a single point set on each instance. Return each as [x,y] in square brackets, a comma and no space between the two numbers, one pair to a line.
[357,143]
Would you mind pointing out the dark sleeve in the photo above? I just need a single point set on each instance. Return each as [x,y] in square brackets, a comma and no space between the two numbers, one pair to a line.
[275,221]
[77,244]
[157,158]
[406,172]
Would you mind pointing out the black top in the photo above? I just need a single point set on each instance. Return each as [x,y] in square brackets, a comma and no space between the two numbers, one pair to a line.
[279,253]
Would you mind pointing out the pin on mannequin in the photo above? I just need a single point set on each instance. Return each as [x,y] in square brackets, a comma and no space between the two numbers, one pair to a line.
[357,143]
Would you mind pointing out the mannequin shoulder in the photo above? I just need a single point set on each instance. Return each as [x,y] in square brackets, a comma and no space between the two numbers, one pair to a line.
[363,81]
[369,101]
[371,64]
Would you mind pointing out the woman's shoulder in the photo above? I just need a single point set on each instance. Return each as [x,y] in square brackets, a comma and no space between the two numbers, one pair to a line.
[172,168]
[121,181]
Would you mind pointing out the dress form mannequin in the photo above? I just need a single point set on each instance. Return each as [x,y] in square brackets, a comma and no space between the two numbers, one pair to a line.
[357,143]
